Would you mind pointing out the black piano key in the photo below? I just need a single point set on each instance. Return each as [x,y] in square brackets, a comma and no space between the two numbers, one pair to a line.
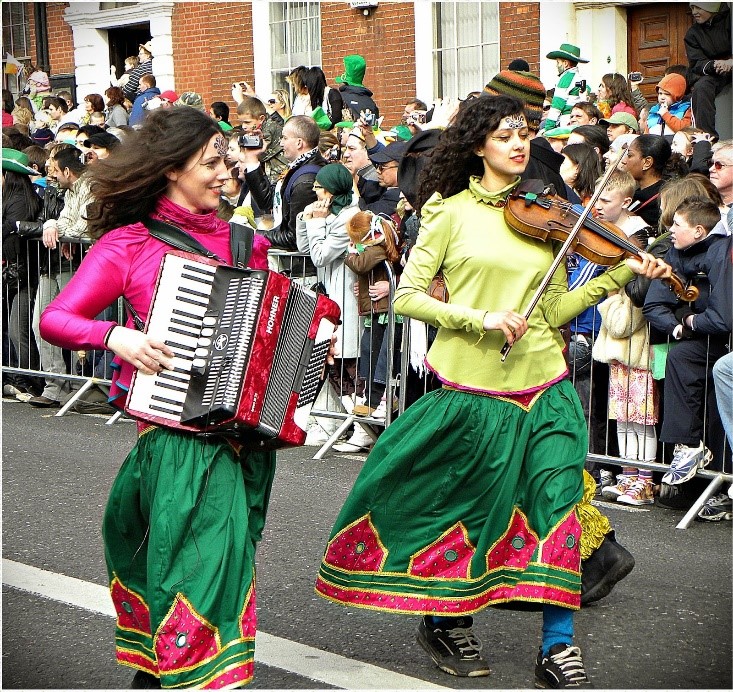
[162,399]
[190,315]
[168,375]
[176,388]
[186,332]
[176,345]
[199,270]
[163,409]
[191,301]
[190,291]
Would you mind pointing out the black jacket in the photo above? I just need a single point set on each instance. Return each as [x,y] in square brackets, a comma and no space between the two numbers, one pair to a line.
[301,195]
[357,99]
[707,42]
[386,203]
[544,164]
[711,259]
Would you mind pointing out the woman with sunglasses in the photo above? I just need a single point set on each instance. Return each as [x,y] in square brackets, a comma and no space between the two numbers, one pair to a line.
[469,499]
[278,105]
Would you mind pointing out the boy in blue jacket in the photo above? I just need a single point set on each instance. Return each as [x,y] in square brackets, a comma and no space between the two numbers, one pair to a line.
[701,330]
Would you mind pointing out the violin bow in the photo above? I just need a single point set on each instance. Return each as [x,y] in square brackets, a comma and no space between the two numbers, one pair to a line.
[560,256]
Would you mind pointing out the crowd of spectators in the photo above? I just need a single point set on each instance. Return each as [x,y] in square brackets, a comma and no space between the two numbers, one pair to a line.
[320,173]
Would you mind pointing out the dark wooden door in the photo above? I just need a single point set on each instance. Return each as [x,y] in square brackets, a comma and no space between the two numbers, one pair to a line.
[656,33]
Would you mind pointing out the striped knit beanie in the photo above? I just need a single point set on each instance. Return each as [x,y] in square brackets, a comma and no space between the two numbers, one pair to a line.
[524,86]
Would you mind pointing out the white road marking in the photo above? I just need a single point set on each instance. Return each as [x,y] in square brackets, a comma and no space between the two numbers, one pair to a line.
[276,652]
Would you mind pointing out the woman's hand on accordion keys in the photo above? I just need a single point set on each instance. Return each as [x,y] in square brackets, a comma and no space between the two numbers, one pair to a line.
[147,355]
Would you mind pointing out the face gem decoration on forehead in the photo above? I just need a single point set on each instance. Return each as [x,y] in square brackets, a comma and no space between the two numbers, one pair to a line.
[221,145]
[514,122]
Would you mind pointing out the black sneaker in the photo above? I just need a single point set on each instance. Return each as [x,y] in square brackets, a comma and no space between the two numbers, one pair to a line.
[453,647]
[144,681]
[606,566]
[563,667]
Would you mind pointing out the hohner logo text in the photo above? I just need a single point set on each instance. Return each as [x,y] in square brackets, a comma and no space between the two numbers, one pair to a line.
[271,316]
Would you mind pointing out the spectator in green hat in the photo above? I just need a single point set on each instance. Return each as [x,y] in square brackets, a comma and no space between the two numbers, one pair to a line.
[571,87]
[356,97]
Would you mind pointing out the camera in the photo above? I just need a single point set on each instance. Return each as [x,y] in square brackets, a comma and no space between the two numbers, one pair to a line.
[368,117]
[418,117]
[636,77]
[248,141]
[580,85]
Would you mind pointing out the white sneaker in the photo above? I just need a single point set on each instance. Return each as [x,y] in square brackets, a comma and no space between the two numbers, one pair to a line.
[359,441]
[316,437]
[349,402]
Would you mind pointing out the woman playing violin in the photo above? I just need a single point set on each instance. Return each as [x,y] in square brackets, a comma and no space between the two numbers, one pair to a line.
[468,499]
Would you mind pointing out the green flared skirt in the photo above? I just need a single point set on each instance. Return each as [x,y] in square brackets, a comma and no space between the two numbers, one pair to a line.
[180,529]
[466,501]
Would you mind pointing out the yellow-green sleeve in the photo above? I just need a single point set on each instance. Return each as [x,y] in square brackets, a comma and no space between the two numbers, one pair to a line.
[425,260]
[560,305]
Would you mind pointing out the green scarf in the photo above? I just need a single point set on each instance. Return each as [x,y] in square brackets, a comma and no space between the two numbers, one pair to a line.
[336,179]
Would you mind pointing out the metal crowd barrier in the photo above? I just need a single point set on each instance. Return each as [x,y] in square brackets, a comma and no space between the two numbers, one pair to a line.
[22,356]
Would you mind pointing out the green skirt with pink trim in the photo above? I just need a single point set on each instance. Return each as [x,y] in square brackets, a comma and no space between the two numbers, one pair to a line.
[466,501]
[182,522]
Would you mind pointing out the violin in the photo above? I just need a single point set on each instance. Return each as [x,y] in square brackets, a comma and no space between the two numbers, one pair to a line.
[549,217]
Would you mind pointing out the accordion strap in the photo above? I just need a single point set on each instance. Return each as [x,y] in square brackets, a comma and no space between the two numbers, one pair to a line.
[177,238]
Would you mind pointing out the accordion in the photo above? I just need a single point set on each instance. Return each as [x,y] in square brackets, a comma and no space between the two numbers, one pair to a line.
[249,349]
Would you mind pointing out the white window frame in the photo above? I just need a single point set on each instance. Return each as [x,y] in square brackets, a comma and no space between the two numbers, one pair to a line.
[312,55]
[487,67]
[12,81]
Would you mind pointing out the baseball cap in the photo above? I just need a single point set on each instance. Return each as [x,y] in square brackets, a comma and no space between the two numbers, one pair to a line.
[170,96]
[392,152]
[622,119]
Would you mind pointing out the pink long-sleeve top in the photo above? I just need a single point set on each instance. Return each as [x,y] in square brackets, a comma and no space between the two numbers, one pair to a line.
[125,262]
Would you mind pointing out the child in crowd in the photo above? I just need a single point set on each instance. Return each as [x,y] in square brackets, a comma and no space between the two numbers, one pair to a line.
[374,241]
[130,64]
[97,118]
[672,112]
[614,95]
[694,146]
[623,343]
[702,331]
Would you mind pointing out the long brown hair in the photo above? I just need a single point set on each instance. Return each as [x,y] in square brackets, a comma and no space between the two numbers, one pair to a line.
[359,226]
[127,185]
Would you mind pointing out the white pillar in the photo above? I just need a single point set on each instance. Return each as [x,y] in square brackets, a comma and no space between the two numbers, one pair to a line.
[424,81]
[89,27]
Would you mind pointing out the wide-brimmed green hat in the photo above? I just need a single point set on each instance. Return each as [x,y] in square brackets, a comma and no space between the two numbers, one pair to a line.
[17,161]
[567,51]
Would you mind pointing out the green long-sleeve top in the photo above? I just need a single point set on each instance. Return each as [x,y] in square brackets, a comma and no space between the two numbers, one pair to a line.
[488,267]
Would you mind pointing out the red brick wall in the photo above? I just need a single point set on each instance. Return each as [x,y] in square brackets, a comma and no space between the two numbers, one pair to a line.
[60,39]
[519,24]
[212,47]
[386,39]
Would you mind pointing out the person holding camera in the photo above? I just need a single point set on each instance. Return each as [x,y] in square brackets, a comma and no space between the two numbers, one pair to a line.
[292,192]
[258,128]
[570,88]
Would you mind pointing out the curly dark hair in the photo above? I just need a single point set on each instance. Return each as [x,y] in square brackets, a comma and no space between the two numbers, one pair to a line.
[127,185]
[454,159]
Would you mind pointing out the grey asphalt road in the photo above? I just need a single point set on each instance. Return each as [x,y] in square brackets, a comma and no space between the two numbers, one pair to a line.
[667,626]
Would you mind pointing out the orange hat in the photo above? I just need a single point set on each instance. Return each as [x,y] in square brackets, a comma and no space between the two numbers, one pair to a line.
[675,84]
